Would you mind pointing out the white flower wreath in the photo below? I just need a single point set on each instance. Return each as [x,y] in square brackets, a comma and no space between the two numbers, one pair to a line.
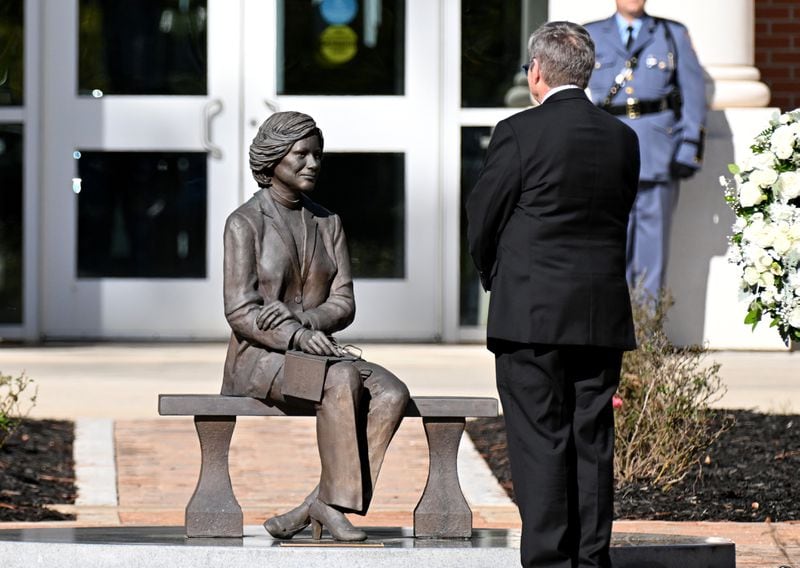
[765,197]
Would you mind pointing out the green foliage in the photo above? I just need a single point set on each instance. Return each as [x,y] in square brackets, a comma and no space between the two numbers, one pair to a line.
[14,406]
[664,422]
[754,314]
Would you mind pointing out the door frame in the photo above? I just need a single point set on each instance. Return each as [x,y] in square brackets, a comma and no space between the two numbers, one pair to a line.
[29,116]
[454,118]
[133,308]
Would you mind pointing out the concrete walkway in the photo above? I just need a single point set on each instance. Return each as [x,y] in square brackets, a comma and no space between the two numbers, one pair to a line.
[135,468]
[124,380]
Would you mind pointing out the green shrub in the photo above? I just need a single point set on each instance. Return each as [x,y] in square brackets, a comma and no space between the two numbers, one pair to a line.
[13,405]
[663,423]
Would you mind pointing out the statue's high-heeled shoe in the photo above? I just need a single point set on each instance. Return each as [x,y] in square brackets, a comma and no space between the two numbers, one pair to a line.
[287,525]
[337,524]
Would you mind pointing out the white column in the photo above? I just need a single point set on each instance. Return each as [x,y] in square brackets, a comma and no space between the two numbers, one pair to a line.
[722,32]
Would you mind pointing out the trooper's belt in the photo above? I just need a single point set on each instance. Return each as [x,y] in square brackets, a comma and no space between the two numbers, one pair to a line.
[634,108]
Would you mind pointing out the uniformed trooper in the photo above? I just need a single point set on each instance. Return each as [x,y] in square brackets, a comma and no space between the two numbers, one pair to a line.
[648,75]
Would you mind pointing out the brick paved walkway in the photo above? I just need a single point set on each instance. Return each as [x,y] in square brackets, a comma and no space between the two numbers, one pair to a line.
[158,461]
[158,458]
[273,464]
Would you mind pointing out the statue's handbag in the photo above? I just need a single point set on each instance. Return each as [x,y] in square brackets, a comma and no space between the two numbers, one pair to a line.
[304,374]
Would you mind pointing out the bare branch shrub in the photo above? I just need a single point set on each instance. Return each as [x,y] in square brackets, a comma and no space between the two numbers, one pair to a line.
[663,422]
[14,407]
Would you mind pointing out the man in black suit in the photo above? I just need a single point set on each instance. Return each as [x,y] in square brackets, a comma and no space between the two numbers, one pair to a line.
[547,230]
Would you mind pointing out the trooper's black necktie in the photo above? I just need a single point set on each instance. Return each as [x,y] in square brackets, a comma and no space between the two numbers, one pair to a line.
[629,41]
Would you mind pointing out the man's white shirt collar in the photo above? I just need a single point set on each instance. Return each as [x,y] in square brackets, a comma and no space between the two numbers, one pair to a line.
[558,89]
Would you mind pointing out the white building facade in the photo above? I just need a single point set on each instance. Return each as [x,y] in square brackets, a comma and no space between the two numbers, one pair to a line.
[125,124]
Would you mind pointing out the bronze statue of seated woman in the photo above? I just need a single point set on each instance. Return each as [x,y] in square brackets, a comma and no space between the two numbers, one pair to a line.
[288,286]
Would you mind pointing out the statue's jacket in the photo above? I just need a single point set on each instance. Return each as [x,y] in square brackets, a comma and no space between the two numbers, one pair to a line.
[262,265]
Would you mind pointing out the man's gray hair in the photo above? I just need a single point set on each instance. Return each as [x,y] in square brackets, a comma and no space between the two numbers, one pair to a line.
[565,52]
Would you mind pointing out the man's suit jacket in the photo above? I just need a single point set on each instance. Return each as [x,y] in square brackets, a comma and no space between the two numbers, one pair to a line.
[261,265]
[547,225]
[662,65]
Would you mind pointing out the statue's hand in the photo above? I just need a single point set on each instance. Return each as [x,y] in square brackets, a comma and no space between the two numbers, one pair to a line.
[274,314]
[316,342]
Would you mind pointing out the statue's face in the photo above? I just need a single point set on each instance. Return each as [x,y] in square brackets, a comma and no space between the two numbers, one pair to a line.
[298,170]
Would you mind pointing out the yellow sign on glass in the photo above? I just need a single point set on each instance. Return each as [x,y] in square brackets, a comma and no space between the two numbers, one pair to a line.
[338,44]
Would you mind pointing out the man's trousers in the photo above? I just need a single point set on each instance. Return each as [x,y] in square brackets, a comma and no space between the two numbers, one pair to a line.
[560,426]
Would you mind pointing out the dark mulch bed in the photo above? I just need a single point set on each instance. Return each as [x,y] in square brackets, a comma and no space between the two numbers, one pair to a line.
[36,470]
[751,473]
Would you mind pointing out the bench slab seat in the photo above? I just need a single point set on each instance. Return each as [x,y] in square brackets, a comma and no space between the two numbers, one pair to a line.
[213,511]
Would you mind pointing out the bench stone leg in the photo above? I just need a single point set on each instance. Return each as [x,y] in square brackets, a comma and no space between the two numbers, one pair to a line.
[213,510]
[442,512]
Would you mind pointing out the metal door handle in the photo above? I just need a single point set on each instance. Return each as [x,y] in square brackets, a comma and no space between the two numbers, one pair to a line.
[211,109]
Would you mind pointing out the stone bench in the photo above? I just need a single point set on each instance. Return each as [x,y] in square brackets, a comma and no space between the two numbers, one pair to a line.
[213,511]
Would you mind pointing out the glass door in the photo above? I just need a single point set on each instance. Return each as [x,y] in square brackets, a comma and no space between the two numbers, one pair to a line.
[18,175]
[351,64]
[13,137]
[485,45]
[140,158]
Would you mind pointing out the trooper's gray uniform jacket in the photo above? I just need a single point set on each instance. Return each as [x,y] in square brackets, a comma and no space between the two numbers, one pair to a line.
[664,64]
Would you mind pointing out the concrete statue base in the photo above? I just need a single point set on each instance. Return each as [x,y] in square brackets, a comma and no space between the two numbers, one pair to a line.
[167,547]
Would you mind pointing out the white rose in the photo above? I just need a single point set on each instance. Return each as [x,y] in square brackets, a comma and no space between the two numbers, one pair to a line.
[794,318]
[749,252]
[782,245]
[794,282]
[745,163]
[767,279]
[763,161]
[751,275]
[781,212]
[782,241]
[763,263]
[782,142]
[750,194]
[759,258]
[752,252]
[788,186]
[764,177]
[739,224]
[767,295]
[759,234]
[785,118]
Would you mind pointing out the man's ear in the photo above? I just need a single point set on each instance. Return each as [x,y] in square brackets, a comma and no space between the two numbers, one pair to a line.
[533,74]
[535,78]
